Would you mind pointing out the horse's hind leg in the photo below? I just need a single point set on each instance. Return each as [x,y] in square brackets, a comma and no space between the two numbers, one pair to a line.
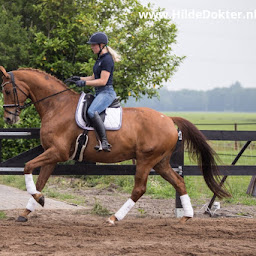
[44,175]
[141,176]
[165,170]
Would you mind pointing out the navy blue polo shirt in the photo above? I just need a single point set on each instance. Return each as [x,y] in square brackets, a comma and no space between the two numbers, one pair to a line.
[104,62]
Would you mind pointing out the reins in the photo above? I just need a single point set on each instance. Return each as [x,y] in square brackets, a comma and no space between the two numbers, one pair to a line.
[47,97]
[16,98]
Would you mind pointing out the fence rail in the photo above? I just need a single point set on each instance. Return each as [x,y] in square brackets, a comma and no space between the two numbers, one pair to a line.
[20,133]
[15,165]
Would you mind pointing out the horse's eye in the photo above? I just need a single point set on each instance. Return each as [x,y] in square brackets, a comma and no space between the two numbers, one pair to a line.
[7,92]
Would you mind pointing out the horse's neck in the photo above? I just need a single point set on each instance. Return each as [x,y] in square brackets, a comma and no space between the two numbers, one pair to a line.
[42,88]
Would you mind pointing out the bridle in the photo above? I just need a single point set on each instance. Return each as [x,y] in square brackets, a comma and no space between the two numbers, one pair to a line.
[17,104]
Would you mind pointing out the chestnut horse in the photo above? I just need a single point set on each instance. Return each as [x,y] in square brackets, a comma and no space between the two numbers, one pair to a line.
[146,135]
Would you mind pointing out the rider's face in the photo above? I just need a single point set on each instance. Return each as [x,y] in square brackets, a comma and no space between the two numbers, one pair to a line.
[95,48]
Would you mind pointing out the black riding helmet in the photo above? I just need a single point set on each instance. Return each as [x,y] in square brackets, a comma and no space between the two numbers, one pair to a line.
[98,38]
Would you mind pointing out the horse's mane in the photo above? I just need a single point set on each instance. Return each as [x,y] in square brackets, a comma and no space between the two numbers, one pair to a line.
[44,73]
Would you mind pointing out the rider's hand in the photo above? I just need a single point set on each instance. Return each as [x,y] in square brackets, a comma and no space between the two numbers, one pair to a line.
[80,83]
[75,78]
[72,79]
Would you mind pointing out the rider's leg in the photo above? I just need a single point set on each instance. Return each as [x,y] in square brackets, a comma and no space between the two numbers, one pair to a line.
[101,131]
[99,104]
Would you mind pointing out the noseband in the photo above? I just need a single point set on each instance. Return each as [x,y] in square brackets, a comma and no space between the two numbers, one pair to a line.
[17,104]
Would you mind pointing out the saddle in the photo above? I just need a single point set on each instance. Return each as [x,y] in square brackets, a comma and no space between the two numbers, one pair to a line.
[88,99]
[112,118]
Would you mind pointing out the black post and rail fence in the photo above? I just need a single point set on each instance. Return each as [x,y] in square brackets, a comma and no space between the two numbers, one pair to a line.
[15,165]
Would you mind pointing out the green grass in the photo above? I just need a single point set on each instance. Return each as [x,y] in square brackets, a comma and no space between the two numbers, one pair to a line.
[2,215]
[13,181]
[156,187]
[218,120]
[64,196]
[98,209]
[196,187]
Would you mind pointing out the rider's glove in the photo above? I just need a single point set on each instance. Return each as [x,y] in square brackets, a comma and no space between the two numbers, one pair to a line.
[72,79]
[75,78]
[80,83]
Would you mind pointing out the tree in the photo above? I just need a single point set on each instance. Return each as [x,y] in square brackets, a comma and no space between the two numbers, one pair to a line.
[57,31]
[234,98]
[14,43]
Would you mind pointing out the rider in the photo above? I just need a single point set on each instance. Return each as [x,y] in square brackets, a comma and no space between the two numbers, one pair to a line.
[102,80]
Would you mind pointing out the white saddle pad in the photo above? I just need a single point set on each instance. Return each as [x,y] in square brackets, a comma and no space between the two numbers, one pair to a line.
[113,119]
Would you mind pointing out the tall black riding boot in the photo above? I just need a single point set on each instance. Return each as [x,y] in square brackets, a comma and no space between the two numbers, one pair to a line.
[101,131]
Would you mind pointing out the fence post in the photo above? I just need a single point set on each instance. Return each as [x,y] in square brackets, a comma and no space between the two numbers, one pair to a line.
[0,151]
[225,177]
[235,141]
[252,187]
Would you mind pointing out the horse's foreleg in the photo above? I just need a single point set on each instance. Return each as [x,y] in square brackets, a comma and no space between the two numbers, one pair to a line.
[49,157]
[44,175]
[165,170]
[141,176]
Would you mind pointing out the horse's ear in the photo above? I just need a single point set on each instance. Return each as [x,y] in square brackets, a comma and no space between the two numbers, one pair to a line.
[3,71]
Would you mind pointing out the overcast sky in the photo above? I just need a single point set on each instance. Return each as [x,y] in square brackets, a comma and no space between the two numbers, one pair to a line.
[220,50]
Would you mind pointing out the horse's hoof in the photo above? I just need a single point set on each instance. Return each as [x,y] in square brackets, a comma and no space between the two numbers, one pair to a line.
[184,220]
[110,222]
[39,198]
[22,219]
[41,201]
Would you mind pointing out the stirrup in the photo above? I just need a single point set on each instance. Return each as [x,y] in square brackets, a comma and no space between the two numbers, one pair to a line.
[99,147]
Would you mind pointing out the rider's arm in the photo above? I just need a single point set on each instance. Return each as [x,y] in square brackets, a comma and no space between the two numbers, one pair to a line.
[88,78]
[102,81]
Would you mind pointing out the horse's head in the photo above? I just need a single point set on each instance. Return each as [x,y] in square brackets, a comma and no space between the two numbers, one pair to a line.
[14,97]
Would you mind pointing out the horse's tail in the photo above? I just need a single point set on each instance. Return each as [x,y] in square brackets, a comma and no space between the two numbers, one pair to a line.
[202,151]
